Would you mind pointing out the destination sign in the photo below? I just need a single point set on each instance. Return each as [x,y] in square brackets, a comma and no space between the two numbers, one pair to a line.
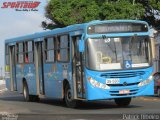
[117,28]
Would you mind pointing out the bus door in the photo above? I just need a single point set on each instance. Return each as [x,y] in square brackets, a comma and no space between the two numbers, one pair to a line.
[12,55]
[39,67]
[77,68]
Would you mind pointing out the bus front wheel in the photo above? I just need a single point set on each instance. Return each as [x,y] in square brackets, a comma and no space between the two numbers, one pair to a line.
[122,102]
[69,98]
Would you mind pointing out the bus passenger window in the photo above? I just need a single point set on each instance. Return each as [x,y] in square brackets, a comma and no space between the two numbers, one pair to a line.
[58,49]
[63,48]
[58,55]
[26,53]
[20,52]
[29,52]
[50,49]
[26,58]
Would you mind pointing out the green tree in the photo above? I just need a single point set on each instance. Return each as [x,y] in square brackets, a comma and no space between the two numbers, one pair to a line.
[152,12]
[122,9]
[67,12]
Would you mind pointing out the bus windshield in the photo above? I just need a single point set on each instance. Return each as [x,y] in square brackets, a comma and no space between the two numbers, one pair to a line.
[118,53]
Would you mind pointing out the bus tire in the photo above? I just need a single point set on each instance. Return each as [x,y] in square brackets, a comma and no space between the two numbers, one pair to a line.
[68,98]
[35,98]
[122,102]
[26,95]
[156,76]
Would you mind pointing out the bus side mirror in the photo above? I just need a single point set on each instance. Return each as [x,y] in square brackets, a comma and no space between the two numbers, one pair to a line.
[81,45]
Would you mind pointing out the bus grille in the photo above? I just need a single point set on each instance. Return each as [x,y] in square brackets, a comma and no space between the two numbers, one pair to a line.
[116,93]
[122,74]
[118,85]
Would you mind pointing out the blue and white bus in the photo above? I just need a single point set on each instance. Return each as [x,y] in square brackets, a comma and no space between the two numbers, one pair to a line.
[98,60]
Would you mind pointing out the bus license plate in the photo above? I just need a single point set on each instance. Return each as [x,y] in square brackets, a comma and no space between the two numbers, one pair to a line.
[124,91]
[112,81]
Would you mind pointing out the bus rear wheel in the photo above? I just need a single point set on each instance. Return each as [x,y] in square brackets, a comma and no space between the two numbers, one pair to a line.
[69,99]
[26,95]
[122,102]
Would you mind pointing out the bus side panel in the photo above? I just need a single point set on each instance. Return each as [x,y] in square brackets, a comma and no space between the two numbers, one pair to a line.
[19,77]
[30,76]
[8,83]
[52,81]
[54,76]
[8,77]
[19,84]
[26,72]
[64,73]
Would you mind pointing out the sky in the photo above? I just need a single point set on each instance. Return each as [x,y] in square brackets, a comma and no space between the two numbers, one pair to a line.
[18,23]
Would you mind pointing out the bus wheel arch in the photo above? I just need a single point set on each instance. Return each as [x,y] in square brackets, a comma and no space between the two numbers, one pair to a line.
[68,95]
[65,82]
[26,94]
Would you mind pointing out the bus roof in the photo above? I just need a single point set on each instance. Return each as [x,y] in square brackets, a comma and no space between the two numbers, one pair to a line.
[66,29]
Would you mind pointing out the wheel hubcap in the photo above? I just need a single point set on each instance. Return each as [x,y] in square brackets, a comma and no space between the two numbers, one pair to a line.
[69,96]
[24,92]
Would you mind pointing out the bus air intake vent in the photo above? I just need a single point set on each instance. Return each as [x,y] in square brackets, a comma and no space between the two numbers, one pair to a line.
[118,85]
[122,74]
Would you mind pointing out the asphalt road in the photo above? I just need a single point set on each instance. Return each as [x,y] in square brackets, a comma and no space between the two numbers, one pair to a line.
[12,105]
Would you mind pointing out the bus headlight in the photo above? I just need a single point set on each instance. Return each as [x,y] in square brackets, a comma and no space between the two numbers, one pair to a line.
[97,84]
[145,82]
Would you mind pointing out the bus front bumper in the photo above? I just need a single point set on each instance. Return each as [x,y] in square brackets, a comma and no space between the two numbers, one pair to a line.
[95,93]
